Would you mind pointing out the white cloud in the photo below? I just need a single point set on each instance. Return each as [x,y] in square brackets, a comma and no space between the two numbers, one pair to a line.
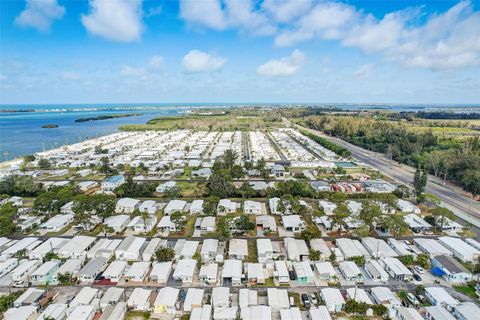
[286,66]
[40,14]
[70,76]
[364,71]
[196,61]
[156,62]
[326,20]
[117,20]
[447,41]
[439,41]
[286,10]
[134,72]
[221,15]
[208,13]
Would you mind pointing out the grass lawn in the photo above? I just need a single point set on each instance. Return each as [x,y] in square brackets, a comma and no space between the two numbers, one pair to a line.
[467,290]
[252,251]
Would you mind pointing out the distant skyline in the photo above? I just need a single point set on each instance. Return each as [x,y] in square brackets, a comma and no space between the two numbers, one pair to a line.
[214,51]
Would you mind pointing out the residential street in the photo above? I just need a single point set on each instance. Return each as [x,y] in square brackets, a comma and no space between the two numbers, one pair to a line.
[452,196]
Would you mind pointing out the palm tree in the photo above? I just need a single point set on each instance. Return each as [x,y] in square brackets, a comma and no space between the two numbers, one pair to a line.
[145,216]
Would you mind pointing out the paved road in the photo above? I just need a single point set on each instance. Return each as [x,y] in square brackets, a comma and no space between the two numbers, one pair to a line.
[451,196]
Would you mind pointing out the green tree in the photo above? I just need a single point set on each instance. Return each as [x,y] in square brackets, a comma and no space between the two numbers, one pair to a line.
[246,190]
[220,183]
[423,260]
[370,214]
[178,219]
[402,191]
[407,260]
[172,193]
[65,278]
[210,205]
[314,255]
[44,163]
[164,254]
[419,182]
[443,213]
[340,214]
[311,232]
[394,223]
[244,224]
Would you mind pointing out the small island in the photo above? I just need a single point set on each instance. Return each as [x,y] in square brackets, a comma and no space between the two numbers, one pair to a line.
[50,126]
[106,117]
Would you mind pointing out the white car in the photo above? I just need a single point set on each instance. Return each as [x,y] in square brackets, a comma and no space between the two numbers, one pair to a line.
[418,269]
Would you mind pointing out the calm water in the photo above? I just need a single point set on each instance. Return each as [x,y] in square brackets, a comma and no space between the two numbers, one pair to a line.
[22,133]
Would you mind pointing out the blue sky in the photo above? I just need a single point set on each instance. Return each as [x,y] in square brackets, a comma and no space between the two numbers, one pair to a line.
[134,51]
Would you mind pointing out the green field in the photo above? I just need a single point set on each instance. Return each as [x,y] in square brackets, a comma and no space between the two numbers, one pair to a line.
[234,120]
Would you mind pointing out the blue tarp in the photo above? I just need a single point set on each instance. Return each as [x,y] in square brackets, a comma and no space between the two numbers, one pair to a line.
[437,272]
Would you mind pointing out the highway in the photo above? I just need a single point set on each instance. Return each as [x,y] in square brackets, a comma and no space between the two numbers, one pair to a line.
[452,196]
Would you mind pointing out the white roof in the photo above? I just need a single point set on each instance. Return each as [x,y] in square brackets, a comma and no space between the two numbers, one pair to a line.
[203,313]
[167,296]
[45,268]
[128,202]
[278,298]
[175,205]
[117,221]
[82,312]
[409,313]
[303,269]
[54,311]
[209,245]
[332,296]
[290,314]
[194,297]
[256,313]
[232,269]
[441,296]
[292,221]
[396,266]
[238,247]
[209,270]
[439,313]
[459,246]
[431,246]
[320,313]
[161,270]
[415,221]
[264,246]
[468,310]
[320,245]
[139,296]
[138,269]
[76,244]
[325,268]
[189,248]
[21,313]
[196,206]
[384,295]
[349,269]
[185,268]
[221,296]
[70,266]
[359,295]
[351,248]
[378,247]
[247,297]
[84,296]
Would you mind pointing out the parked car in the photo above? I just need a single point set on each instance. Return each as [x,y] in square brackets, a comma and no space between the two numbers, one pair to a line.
[417,277]
[411,298]
[418,269]
[313,299]
[306,300]
[182,295]
[292,275]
